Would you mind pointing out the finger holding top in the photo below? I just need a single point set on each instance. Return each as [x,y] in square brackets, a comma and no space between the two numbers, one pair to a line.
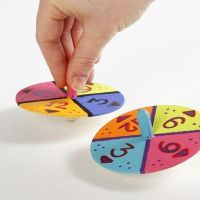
[73,33]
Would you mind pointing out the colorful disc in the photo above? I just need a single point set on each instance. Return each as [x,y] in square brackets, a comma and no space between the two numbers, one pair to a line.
[120,147]
[45,98]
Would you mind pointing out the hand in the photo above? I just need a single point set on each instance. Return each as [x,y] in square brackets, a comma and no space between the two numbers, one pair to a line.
[72,34]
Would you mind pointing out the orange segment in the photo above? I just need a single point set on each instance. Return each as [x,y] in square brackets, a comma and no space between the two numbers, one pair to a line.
[122,126]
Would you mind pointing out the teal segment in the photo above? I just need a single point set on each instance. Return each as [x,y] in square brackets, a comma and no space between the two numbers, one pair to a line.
[124,155]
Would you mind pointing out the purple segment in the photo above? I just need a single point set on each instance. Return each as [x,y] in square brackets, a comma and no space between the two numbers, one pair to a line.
[39,92]
[101,103]
[153,114]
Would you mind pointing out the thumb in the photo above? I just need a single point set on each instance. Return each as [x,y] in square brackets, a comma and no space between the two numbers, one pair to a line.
[85,56]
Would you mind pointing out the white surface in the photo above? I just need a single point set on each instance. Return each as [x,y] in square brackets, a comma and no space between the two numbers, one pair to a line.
[154,62]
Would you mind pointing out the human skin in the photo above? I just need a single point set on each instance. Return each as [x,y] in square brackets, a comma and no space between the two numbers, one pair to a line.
[72,34]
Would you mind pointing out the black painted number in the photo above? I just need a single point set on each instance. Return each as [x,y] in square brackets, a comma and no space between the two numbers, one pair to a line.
[123,150]
[99,101]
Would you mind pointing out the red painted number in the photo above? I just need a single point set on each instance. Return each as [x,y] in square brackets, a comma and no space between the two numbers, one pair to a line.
[173,148]
[60,105]
[128,127]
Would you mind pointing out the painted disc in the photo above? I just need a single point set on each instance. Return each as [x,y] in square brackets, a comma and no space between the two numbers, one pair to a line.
[45,98]
[119,146]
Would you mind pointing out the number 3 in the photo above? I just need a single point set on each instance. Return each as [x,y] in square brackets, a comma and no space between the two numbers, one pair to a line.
[124,150]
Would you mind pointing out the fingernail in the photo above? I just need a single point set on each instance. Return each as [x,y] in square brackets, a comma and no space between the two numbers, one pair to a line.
[78,83]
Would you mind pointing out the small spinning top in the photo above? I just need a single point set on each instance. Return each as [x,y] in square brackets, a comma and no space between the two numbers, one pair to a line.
[46,98]
[148,140]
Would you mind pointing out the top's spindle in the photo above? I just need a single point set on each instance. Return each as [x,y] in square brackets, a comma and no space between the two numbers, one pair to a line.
[72,94]
[145,124]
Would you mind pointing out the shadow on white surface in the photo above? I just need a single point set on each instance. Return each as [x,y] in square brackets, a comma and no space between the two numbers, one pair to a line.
[82,166]
[21,127]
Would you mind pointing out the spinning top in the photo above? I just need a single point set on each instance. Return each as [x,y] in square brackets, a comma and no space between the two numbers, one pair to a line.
[45,98]
[148,140]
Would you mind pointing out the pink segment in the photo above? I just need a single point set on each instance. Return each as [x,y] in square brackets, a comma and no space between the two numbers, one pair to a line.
[41,91]
[169,150]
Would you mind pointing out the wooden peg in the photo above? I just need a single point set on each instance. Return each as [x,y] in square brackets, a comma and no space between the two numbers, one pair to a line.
[145,124]
[72,94]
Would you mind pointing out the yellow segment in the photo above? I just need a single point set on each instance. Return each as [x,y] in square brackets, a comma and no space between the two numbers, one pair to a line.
[170,119]
[96,88]
[59,107]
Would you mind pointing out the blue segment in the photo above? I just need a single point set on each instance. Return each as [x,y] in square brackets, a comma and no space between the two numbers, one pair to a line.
[145,125]
[124,155]
[99,104]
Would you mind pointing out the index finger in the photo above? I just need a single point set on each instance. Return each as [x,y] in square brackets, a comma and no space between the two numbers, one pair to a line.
[49,28]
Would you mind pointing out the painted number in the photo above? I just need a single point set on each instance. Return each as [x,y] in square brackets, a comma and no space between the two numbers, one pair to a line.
[124,151]
[86,89]
[174,122]
[43,93]
[173,148]
[99,101]
[59,105]
[170,147]
[128,127]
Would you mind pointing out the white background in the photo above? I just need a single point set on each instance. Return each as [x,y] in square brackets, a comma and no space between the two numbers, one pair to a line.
[156,61]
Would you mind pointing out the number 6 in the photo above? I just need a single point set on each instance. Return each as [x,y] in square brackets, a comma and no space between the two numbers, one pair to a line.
[174,122]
